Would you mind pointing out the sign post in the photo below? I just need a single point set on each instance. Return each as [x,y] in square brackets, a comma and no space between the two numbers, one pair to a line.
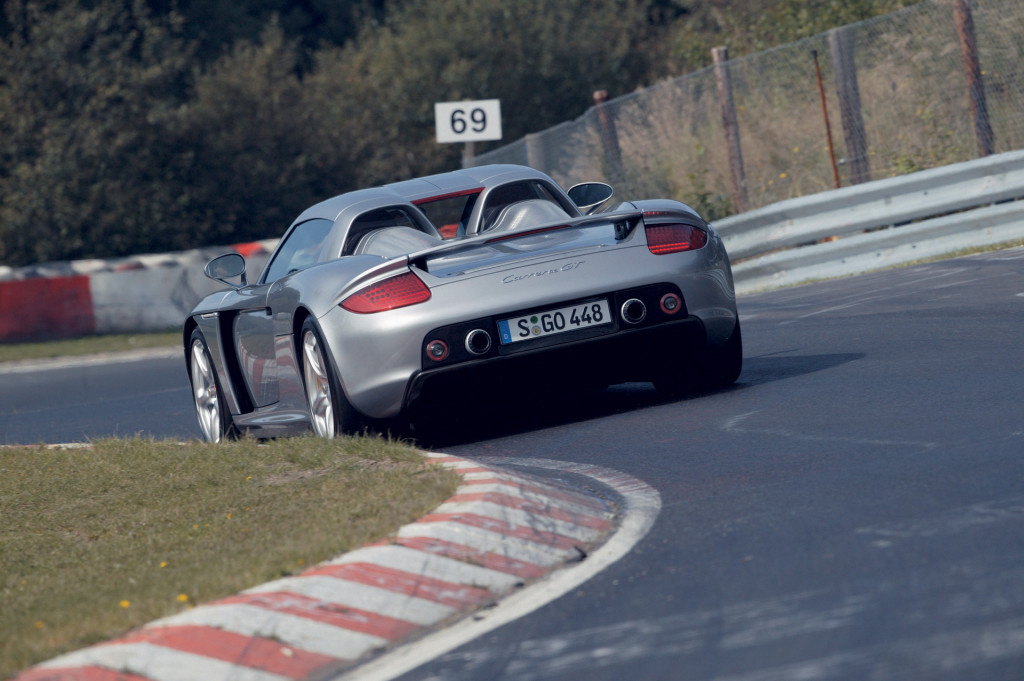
[468,122]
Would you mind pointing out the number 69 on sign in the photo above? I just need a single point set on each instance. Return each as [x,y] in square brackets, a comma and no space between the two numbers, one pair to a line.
[468,121]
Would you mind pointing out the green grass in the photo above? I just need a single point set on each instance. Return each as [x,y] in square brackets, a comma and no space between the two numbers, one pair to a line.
[95,541]
[88,346]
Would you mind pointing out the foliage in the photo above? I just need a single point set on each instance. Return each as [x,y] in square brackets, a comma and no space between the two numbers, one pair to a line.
[131,126]
[216,25]
[251,146]
[115,146]
[542,60]
[761,24]
[85,98]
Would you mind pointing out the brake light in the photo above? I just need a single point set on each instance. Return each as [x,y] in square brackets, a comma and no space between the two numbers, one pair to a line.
[398,291]
[674,238]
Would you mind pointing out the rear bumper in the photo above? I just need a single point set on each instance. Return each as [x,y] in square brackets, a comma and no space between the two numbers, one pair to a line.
[641,354]
[380,356]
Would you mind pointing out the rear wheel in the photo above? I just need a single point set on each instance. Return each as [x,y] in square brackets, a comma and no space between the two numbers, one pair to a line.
[330,413]
[725,363]
[716,368]
[211,411]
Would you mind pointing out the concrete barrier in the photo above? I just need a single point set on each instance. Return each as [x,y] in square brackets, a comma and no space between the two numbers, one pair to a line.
[127,295]
[66,312]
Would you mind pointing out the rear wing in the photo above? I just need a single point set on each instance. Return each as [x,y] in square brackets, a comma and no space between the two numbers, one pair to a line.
[623,222]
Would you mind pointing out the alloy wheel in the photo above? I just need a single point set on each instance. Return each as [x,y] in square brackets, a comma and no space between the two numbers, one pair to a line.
[204,391]
[318,386]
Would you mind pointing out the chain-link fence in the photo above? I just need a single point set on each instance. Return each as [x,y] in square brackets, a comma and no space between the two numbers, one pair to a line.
[902,84]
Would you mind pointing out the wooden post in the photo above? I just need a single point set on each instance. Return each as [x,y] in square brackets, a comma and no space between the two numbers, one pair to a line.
[975,83]
[723,79]
[849,105]
[828,124]
[609,136]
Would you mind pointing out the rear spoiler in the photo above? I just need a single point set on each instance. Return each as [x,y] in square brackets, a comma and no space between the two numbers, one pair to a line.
[624,222]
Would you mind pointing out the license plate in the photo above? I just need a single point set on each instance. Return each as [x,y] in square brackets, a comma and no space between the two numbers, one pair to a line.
[550,322]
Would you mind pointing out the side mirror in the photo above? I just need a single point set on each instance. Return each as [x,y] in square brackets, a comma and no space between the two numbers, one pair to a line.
[590,196]
[227,266]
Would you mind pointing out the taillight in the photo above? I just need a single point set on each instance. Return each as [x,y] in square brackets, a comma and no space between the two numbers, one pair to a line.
[674,238]
[398,291]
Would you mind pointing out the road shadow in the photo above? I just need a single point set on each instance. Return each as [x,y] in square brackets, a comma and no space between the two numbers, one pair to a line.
[513,410]
[781,365]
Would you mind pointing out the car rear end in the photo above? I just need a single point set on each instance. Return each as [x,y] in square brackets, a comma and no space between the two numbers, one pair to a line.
[600,300]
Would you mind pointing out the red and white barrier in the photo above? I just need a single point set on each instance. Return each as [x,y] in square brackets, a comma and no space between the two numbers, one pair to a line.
[132,295]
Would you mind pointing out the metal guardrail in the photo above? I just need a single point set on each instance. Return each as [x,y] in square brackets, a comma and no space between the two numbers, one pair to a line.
[878,224]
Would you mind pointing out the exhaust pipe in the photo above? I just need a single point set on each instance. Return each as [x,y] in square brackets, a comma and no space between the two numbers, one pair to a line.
[633,311]
[478,342]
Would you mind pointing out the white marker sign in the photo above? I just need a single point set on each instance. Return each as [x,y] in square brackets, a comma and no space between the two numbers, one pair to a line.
[468,121]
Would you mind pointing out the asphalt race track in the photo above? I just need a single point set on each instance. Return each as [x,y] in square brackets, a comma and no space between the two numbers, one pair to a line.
[852,509]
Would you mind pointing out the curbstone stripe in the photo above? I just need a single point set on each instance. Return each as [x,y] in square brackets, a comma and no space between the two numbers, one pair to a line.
[500,529]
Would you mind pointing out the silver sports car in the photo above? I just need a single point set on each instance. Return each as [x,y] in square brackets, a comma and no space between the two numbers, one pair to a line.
[380,303]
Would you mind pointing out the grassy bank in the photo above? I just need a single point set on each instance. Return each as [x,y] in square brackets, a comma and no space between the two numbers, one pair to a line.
[95,541]
[88,346]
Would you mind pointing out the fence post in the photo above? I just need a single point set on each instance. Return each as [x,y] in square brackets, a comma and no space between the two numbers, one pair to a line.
[849,105]
[609,136]
[975,83]
[723,79]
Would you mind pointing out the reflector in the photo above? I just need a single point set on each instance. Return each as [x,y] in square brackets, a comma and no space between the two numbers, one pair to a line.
[437,350]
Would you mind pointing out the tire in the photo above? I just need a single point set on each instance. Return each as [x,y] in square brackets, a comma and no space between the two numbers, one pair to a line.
[725,363]
[719,368]
[330,413]
[211,411]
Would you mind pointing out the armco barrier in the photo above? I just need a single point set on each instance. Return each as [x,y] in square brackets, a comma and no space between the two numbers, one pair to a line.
[878,224]
[868,251]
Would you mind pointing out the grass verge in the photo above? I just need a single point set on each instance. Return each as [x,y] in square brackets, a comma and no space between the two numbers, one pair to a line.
[96,541]
[87,346]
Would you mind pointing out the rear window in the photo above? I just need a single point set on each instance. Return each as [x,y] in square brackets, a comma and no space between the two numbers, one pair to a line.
[376,219]
[450,213]
[510,194]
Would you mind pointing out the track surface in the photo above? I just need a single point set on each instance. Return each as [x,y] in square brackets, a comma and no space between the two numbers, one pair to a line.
[852,509]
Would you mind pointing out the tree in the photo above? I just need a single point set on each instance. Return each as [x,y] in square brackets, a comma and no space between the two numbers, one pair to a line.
[543,60]
[217,25]
[112,141]
[84,97]
[257,153]
[755,25]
